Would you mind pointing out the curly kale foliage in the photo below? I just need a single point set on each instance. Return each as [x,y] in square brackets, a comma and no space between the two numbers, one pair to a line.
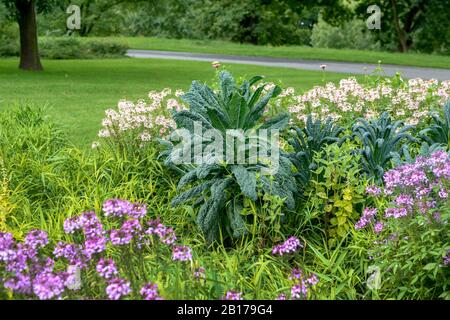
[308,141]
[439,131]
[218,188]
[382,140]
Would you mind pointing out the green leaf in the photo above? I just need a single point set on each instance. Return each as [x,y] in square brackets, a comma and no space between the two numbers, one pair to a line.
[236,222]
[191,193]
[186,179]
[205,169]
[341,220]
[246,181]
[279,122]
[430,266]
[227,86]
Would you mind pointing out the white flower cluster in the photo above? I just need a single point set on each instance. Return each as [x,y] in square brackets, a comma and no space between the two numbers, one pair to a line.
[408,101]
[139,123]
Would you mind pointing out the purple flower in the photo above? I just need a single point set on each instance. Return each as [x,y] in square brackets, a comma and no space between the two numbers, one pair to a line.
[150,292]
[94,245]
[312,280]
[21,283]
[132,227]
[6,241]
[424,206]
[378,227]
[17,259]
[165,234]
[373,190]
[295,274]
[299,291]
[106,268]
[422,192]
[47,286]
[92,227]
[154,225]
[395,212]
[36,239]
[6,246]
[418,177]
[366,218]
[117,208]
[181,253]
[93,231]
[233,295]
[120,237]
[88,219]
[46,265]
[291,245]
[138,211]
[447,258]
[71,252]
[415,178]
[282,296]
[404,199]
[127,231]
[200,273]
[72,224]
[117,288]
[437,216]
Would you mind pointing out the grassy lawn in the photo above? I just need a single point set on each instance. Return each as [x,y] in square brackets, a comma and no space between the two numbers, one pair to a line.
[292,52]
[77,92]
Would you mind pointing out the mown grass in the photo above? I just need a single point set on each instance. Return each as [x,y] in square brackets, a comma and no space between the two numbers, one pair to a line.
[291,52]
[77,92]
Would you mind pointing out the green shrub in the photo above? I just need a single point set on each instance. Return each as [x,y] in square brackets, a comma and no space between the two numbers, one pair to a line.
[64,47]
[61,48]
[336,193]
[9,40]
[105,49]
[352,35]
[73,48]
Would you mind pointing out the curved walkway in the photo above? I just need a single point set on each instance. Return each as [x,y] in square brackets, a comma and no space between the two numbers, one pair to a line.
[332,66]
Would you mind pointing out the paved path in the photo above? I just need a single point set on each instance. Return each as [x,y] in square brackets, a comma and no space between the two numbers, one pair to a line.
[332,66]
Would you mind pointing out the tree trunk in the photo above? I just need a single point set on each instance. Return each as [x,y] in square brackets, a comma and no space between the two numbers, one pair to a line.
[29,54]
[401,34]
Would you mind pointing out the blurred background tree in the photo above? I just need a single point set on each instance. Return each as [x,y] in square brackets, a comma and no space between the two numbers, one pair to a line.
[406,25]
[421,25]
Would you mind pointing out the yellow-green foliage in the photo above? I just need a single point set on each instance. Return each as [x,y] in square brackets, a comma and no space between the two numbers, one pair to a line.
[336,190]
[6,207]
